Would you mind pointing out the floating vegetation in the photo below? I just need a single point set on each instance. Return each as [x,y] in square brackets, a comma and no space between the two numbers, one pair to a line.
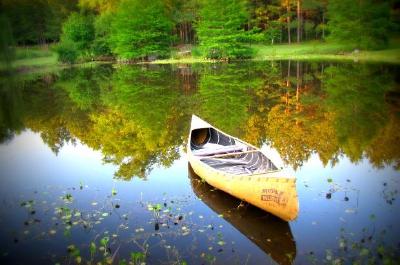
[118,231]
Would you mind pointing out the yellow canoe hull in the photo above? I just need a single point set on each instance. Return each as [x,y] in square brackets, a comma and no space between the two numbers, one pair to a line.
[272,191]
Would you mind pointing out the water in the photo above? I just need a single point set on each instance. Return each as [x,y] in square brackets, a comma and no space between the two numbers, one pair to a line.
[93,166]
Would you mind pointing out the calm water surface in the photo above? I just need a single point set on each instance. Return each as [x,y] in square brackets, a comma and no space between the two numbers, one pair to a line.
[93,166]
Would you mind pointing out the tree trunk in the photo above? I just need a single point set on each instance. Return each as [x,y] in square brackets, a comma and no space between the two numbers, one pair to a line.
[288,20]
[298,20]
[323,25]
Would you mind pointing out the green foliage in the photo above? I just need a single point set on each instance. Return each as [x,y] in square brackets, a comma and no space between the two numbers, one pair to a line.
[79,29]
[67,52]
[273,33]
[365,24]
[141,29]
[77,37]
[36,22]
[220,30]
[7,52]
[137,258]
[102,28]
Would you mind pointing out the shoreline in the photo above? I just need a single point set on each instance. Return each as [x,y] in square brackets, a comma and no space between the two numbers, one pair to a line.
[303,52]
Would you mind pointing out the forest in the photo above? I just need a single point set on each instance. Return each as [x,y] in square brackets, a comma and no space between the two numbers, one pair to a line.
[138,30]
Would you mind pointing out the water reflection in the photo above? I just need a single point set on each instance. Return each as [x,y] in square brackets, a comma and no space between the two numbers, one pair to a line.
[337,125]
[269,233]
[137,116]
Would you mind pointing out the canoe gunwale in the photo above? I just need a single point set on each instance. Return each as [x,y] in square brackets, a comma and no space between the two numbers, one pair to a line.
[205,125]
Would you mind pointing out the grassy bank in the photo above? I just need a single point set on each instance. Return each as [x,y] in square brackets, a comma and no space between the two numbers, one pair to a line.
[34,58]
[325,51]
[315,50]
[42,59]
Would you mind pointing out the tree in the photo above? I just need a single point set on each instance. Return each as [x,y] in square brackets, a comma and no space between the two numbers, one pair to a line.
[141,29]
[286,4]
[36,22]
[184,15]
[99,6]
[101,43]
[79,29]
[6,41]
[299,20]
[363,23]
[77,37]
[220,29]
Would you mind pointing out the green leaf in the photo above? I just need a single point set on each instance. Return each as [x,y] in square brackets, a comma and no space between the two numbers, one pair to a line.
[92,248]
[372,217]
[104,241]
[364,252]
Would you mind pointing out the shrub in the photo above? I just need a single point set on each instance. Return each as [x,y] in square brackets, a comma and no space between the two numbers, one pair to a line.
[67,52]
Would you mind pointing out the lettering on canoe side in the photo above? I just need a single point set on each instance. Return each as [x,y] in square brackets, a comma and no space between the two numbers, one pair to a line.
[273,195]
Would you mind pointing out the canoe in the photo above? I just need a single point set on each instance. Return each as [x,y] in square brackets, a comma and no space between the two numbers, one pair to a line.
[241,169]
[272,235]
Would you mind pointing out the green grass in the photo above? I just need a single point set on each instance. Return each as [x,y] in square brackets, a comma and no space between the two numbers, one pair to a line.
[32,59]
[32,52]
[313,50]
[325,51]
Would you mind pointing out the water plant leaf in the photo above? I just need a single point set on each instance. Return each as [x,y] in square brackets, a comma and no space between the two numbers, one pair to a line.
[221,243]
[104,241]
[372,217]
[92,248]
[364,252]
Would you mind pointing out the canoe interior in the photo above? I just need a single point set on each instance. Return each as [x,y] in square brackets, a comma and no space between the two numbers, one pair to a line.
[227,154]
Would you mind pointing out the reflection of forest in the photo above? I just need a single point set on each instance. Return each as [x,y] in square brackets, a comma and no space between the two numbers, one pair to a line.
[138,116]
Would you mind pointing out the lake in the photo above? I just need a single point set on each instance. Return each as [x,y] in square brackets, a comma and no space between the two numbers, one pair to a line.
[93,166]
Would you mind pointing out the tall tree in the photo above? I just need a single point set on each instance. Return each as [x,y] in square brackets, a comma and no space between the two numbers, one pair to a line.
[141,29]
[6,41]
[286,4]
[36,22]
[299,20]
[365,23]
[220,29]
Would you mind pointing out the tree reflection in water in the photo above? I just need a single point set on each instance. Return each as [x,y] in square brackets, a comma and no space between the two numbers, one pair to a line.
[138,116]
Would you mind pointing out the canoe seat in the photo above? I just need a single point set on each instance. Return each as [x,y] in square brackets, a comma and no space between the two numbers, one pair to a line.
[215,149]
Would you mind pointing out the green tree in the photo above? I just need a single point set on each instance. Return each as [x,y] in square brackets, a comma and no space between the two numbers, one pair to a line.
[36,22]
[220,29]
[77,37]
[363,23]
[6,41]
[79,29]
[141,29]
[101,43]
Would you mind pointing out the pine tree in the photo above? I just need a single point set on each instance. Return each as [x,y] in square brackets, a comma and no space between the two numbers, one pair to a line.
[141,29]
[364,23]
[220,29]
